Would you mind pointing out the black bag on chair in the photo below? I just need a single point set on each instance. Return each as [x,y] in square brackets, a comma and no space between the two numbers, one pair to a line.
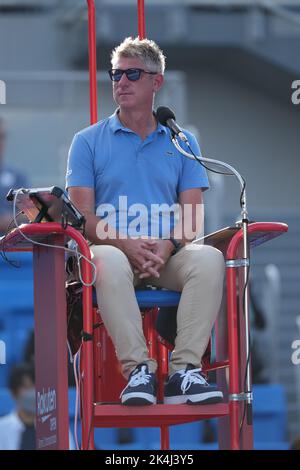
[166,324]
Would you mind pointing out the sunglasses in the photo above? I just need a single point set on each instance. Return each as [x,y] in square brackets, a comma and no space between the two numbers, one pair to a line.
[132,74]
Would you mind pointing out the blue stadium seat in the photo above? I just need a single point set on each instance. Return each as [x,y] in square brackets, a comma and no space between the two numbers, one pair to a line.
[269,416]
[190,432]
[271,445]
[4,371]
[16,284]
[72,398]
[19,339]
[15,341]
[7,404]
[179,435]
[147,435]
[155,445]
[19,320]
[23,260]
[269,413]
[131,446]
[107,438]
[6,337]
[16,295]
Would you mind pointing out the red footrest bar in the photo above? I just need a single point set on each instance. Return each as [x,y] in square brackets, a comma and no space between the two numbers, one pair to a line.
[154,415]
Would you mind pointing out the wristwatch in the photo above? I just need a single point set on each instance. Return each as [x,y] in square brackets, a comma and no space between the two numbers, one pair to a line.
[176,243]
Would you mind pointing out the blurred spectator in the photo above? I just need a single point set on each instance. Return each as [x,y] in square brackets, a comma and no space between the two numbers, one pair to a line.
[17,429]
[295,444]
[9,178]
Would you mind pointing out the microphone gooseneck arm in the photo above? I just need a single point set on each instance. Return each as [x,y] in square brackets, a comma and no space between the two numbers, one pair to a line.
[224,165]
[245,395]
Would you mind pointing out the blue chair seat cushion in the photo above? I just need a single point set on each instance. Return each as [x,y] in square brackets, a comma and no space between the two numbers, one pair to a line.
[148,298]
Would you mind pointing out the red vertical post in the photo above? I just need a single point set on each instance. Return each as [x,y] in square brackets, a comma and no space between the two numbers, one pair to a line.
[92,61]
[233,356]
[52,423]
[164,438]
[162,373]
[162,367]
[149,331]
[141,19]
[87,357]
[87,360]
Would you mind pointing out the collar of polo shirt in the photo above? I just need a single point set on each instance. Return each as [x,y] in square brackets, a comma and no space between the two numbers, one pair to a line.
[116,125]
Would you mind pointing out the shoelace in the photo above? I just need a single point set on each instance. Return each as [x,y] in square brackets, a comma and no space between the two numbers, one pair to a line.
[140,378]
[191,376]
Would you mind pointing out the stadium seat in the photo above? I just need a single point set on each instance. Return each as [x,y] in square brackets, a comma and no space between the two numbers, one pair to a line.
[16,295]
[5,336]
[271,445]
[23,260]
[270,414]
[20,320]
[16,286]
[185,446]
[3,375]
[6,402]
[182,436]
[20,337]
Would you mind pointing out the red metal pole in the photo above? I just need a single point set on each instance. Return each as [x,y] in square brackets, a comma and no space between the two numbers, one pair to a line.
[162,367]
[164,438]
[233,351]
[259,232]
[141,19]
[92,61]
[87,352]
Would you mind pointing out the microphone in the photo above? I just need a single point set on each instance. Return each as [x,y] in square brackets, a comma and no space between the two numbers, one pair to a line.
[166,117]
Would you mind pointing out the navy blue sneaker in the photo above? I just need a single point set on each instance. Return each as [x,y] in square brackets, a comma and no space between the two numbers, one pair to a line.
[189,386]
[141,388]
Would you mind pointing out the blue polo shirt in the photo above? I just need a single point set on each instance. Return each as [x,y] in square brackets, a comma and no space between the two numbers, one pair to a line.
[137,182]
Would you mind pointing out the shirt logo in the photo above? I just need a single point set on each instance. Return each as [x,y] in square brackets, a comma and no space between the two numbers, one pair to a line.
[170,153]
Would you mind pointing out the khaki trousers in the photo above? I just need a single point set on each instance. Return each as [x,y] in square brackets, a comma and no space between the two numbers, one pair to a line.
[197,271]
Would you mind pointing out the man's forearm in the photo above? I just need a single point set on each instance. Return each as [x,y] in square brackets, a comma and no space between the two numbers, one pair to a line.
[98,232]
[190,216]
[189,226]
[181,236]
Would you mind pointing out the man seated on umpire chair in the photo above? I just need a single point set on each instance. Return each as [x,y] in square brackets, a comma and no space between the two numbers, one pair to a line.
[126,165]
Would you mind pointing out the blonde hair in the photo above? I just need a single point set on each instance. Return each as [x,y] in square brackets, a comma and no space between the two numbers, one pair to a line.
[144,49]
